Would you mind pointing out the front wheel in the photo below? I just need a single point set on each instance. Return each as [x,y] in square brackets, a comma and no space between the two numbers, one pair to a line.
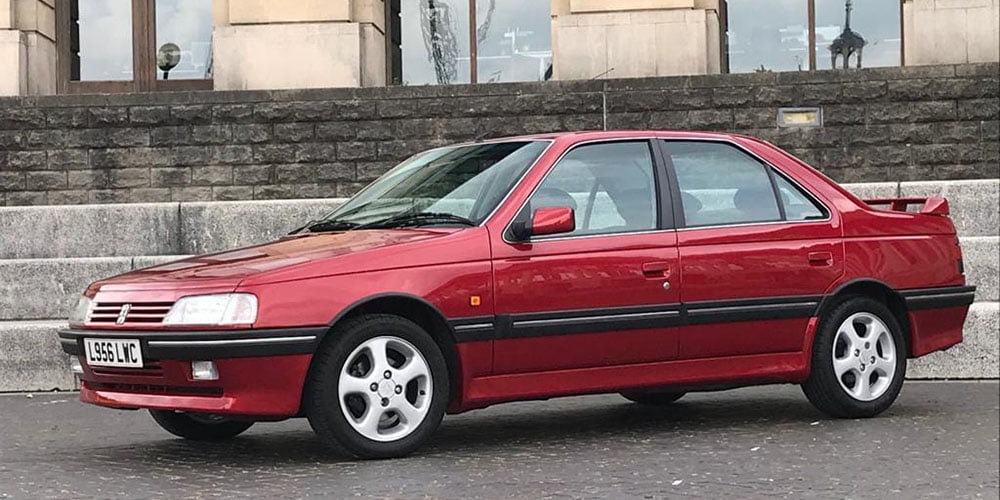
[379,388]
[858,360]
[199,426]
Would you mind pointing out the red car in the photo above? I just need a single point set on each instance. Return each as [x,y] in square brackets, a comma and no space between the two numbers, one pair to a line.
[645,263]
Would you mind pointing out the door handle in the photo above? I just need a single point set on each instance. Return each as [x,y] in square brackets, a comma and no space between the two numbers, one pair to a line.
[659,269]
[820,258]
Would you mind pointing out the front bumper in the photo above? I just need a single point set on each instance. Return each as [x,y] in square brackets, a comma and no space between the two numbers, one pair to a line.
[204,345]
[261,372]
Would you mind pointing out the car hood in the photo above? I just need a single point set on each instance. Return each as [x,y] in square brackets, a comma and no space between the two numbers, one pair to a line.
[228,269]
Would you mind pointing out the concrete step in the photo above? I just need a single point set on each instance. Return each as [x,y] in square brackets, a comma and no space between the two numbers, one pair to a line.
[192,228]
[975,358]
[150,228]
[32,359]
[973,202]
[34,289]
[981,255]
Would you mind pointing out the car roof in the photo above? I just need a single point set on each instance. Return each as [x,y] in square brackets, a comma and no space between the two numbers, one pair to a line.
[590,135]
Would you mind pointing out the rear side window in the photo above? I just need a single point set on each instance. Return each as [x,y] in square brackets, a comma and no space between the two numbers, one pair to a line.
[798,206]
[721,185]
[609,186]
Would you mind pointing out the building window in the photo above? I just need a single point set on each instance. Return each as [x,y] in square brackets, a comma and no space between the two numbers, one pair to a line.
[511,41]
[876,21]
[768,35]
[113,45]
[797,35]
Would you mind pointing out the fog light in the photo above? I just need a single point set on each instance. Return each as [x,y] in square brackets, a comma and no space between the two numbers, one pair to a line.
[75,365]
[204,370]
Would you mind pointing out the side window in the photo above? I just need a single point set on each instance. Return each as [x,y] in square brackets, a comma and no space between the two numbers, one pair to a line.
[798,206]
[720,184]
[609,186]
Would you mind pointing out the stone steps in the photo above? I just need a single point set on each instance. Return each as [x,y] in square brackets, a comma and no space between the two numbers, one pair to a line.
[200,227]
[54,252]
[32,359]
[34,289]
[150,228]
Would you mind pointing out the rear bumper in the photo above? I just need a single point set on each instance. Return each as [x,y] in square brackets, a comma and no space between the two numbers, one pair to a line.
[937,317]
[261,372]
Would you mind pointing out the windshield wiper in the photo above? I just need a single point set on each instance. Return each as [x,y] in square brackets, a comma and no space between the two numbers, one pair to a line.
[418,219]
[320,226]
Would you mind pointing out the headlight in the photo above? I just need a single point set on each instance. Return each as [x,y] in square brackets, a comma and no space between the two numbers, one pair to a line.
[78,315]
[222,309]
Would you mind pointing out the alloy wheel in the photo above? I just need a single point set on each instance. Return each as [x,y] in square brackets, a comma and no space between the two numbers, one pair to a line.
[385,388]
[864,356]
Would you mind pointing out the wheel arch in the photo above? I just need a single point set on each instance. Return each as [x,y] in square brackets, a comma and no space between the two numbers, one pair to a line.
[413,308]
[878,290]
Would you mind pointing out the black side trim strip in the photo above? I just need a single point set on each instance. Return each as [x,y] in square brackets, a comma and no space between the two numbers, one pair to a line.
[192,345]
[919,299]
[750,313]
[802,306]
[595,323]
[473,329]
[942,290]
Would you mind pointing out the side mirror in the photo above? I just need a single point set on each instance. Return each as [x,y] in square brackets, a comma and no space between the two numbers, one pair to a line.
[553,220]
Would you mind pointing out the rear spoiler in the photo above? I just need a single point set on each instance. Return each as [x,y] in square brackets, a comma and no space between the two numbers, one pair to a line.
[934,205]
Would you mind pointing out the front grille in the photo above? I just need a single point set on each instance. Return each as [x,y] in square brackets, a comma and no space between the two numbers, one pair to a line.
[138,312]
[151,368]
[166,390]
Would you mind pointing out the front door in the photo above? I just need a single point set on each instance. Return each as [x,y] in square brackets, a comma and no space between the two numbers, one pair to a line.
[602,294]
[756,252]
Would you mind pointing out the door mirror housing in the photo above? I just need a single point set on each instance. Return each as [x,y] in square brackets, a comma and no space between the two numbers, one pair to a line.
[553,220]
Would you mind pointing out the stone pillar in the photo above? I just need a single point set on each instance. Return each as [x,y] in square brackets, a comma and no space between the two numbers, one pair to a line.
[27,47]
[634,38]
[951,31]
[264,44]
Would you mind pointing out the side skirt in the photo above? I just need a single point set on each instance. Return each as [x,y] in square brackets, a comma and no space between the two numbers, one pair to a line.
[791,367]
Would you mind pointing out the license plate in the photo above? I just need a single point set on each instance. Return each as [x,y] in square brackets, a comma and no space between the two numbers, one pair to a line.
[116,353]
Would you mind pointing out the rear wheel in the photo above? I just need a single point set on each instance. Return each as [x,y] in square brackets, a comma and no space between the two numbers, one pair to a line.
[653,398]
[858,360]
[199,426]
[379,389]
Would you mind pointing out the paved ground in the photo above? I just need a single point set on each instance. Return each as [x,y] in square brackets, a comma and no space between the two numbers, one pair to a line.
[939,440]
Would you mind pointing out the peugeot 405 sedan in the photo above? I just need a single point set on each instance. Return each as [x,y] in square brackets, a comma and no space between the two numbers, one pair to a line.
[645,263]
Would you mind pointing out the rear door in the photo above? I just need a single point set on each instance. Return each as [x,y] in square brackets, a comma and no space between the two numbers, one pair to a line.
[600,295]
[756,251]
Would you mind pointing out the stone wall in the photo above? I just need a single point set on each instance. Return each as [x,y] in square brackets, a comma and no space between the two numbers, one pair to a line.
[893,124]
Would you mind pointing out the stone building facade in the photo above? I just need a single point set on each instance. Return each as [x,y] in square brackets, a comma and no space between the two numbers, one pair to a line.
[69,46]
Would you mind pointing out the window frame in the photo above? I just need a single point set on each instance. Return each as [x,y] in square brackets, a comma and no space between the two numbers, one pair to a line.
[772,171]
[662,195]
[143,57]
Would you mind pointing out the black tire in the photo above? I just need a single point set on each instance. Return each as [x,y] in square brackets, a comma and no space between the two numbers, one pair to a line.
[198,427]
[323,405]
[653,398]
[823,389]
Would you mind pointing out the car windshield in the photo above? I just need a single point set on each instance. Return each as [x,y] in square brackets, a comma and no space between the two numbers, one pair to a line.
[459,185]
